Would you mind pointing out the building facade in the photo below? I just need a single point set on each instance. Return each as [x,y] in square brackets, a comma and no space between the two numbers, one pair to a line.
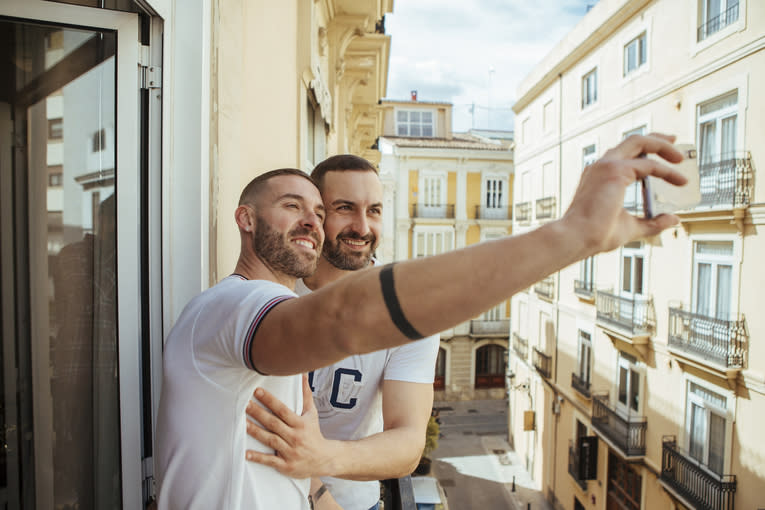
[127,131]
[635,375]
[446,190]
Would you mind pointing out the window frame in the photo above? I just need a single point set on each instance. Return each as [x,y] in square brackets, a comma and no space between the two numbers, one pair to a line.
[408,122]
[641,54]
[588,100]
[447,231]
[726,413]
[715,261]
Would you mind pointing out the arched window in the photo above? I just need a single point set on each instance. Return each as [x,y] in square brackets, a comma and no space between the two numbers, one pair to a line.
[490,366]
[440,380]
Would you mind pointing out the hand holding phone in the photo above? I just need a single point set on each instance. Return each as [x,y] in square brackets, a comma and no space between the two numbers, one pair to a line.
[660,197]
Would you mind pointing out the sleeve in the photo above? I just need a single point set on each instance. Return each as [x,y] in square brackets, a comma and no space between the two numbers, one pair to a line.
[413,362]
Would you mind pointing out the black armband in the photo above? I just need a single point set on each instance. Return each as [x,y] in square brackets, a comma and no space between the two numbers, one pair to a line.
[394,307]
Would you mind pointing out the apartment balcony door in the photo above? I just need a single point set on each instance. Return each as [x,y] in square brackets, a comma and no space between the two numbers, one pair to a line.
[632,282]
[70,264]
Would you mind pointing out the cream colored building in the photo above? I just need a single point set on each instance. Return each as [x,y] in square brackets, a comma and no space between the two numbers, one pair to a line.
[637,376]
[127,130]
[446,190]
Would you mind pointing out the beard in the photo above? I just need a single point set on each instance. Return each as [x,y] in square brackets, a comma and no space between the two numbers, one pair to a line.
[276,252]
[343,258]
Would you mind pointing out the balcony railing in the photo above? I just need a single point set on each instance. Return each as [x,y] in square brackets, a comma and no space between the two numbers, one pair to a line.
[545,288]
[543,363]
[693,482]
[584,288]
[523,211]
[398,494]
[627,434]
[492,213]
[545,208]
[433,211]
[728,16]
[727,182]
[573,464]
[580,385]
[635,316]
[521,346]
[490,328]
[719,341]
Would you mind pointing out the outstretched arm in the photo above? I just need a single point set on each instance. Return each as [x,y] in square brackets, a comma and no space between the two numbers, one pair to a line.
[350,316]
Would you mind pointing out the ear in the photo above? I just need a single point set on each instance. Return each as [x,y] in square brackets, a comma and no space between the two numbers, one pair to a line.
[244,218]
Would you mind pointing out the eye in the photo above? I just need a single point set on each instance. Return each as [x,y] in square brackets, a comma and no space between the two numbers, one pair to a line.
[344,207]
[292,205]
[376,211]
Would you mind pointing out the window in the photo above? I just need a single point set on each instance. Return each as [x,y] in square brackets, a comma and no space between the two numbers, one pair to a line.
[490,366]
[439,381]
[55,176]
[315,134]
[712,279]
[632,270]
[414,123]
[584,358]
[624,484]
[716,15]
[628,390]
[633,197]
[717,128]
[705,426]
[588,156]
[55,129]
[586,274]
[547,117]
[99,141]
[590,88]
[494,203]
[548,180]
[494,314]
[635,54]
[432,196]
[428,241]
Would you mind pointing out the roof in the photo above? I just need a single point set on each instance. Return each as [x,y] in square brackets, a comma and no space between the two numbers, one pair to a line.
[458,141]
[414,103]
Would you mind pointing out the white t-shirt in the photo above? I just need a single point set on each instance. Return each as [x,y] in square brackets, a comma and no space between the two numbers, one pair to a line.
[348,397]
[208,380]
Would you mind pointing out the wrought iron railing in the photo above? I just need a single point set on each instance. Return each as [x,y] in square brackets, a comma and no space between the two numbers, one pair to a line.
[626,433]
[545,288]
[543,363]
[573,464]
[492,213]
[584,288]
[521,346]
[636,316]
[580,384]
[398,494]
[490,328]
[727,182]
[720,341]
[728,16]
[696,484]
[545,208]
[523,211]
[433,211]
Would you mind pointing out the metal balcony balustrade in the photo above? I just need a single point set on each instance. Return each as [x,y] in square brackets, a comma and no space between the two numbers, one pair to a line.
[635,316]
[693,482]
[729,181]
[584,288]
[728,16]
[492,213]
[521,346]
[439,211]
[626,433]
[545,208]
[542,362]
[523,211]
[545,288]
[398,494]
[500,327]
[720,341]
[580,385]
[573,464]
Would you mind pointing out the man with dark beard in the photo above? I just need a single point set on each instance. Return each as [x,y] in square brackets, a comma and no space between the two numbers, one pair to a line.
[247,332]
[380,401]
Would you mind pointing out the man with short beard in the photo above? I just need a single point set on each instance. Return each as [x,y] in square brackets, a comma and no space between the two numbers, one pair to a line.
[380,401]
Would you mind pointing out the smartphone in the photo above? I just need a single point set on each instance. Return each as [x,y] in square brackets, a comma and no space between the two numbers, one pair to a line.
[660,197]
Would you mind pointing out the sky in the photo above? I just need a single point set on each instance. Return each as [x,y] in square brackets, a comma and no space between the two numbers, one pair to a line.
[473,52]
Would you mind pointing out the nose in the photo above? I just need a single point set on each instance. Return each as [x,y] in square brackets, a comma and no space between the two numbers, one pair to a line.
[360,223]
[312,221]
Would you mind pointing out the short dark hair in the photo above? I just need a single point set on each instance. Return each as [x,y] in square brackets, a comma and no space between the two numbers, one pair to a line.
[340,163]
[255,186]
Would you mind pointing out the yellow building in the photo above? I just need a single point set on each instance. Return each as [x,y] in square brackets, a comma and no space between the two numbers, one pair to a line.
[128,128]
[446,190]
[637,379]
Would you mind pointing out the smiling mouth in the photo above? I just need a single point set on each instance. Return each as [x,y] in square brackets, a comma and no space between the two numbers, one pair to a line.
[356,243]
[306,243]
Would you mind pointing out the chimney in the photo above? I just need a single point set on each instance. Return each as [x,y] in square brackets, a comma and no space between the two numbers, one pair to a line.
[414,95]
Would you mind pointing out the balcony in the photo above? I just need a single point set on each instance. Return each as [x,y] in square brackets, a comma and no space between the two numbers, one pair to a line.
[692,483]
[492,213]
[720,342]
[580,385]
[631,317]
[521,346]
[545,208]
[727,182]
[523,212]
[584,289]
[627,434]
[728,16]
[398,494]
[437,211]
[545,288]
[543,363]
[487,328]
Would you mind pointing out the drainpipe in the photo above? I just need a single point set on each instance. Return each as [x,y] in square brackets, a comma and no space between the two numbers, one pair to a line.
[557,286]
